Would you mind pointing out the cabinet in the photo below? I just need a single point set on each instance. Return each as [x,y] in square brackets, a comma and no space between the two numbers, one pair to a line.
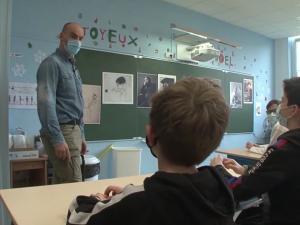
[28,172]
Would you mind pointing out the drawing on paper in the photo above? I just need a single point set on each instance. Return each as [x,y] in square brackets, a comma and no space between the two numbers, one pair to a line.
[117,88]
[165,81]
[146,88]
[236,95]
[258,109]
[22,95]
[92,104]
[248,91]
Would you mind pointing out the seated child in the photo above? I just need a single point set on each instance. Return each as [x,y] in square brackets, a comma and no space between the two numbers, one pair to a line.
[187,122]
[277,172]
[274,128]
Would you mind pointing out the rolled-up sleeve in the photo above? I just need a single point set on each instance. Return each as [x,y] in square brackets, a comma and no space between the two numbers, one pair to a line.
[47,80]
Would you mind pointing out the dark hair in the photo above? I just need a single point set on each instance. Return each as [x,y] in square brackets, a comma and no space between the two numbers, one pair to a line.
[291,89]
[272,102]
[149,79]
[121,80]
[189,120]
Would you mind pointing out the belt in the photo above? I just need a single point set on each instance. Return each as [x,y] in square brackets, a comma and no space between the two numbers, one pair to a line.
[71,122]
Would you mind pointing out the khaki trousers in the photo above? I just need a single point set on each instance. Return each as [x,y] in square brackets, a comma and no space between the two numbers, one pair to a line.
[65,171]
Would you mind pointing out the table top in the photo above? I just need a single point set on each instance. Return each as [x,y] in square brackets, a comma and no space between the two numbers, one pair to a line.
[49,205]
[243,153]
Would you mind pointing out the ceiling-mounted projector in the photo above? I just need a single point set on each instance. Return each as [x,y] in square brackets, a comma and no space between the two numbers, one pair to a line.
[203,52]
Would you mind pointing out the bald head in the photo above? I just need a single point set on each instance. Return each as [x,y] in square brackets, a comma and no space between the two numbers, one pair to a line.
[70,25]
[71,31]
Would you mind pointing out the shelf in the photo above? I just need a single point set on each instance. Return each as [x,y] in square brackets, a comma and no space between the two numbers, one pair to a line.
[28,172]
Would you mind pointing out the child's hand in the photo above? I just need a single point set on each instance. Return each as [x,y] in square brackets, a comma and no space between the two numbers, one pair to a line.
[218,160]
[249,145]
[234,165]
[100,196]
[113,190]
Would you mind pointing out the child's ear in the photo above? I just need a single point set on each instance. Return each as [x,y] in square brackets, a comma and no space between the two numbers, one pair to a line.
[150,134]
[297,109]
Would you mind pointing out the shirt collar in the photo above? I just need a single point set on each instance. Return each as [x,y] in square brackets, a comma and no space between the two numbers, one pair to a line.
[63,54]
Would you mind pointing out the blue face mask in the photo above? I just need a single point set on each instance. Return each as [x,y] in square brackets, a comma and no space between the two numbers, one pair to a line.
[150,147]
[73,46]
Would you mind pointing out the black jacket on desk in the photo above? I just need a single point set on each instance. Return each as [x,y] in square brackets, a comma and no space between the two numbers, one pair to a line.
[165,198]
[278,174]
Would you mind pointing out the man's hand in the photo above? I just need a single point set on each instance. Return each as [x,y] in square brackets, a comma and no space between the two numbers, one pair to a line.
[62,151]
[234,165]
[113,190]
[83,148]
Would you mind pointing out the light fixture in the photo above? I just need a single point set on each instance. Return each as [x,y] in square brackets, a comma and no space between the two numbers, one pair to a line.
[196,34]
[189,32]
[138,56]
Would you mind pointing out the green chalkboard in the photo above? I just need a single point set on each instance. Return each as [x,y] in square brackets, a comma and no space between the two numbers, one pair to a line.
[127,121]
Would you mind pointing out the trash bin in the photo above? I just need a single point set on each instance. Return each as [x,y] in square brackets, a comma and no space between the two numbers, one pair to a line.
[90,167]
[126,161]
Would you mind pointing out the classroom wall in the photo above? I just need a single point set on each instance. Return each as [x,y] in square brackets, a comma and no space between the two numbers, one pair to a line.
[282,67]
[5,22]
[138,27]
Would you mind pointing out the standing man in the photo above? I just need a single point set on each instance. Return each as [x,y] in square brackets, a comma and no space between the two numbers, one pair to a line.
[60,106]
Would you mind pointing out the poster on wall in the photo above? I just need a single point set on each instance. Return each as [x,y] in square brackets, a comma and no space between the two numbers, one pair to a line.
[92,104]
[22,95]
[165,81]
[236,95]
[248,91]
[146,88]
[117,88]
[258,109]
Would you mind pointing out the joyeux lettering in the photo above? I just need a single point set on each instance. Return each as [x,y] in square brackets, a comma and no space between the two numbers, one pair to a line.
[110,35]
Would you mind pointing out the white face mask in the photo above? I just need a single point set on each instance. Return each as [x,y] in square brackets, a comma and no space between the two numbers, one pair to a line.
[283,115]
[73,46]
[271,120]
[282,120]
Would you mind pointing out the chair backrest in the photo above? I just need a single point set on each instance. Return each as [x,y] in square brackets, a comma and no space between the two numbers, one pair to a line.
[245,205]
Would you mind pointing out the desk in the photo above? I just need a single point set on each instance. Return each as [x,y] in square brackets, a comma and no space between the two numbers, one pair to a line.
[243,156]
[243,153]
[35,172]
[36,169]
[48,205]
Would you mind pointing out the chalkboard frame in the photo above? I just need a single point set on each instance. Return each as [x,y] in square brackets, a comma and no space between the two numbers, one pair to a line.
[128,121]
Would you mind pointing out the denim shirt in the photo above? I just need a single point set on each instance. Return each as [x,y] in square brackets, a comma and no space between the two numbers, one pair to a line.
[59,95]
